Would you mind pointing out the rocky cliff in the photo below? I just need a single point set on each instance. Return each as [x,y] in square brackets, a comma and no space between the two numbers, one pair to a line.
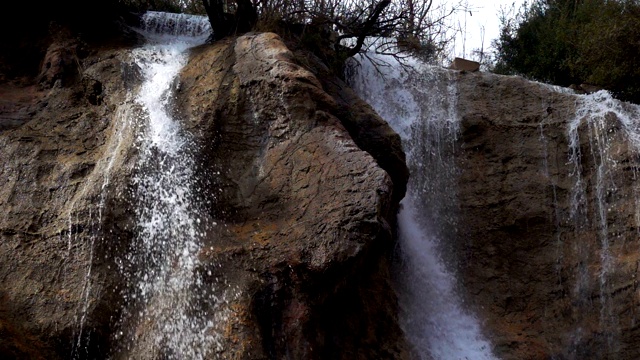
[305,210]
[548,205]
[304,206]
[303,181]
[59,142]
[528,194]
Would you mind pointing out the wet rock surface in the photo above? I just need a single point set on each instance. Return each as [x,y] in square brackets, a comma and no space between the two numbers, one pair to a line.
[304,216]
[55,163]
[552,268]
[304,212]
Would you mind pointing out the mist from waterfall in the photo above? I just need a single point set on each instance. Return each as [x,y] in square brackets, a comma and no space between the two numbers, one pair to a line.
[420,104]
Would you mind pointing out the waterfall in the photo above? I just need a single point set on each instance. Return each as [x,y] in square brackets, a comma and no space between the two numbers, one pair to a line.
[595,217]
[169,312]
[420,104]
[600,181]
[169,27]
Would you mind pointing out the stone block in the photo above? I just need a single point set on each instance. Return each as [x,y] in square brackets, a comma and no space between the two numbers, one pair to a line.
[464,65]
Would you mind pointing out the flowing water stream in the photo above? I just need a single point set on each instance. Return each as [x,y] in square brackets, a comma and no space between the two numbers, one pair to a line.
[420,104]
[167,311]
[600,185]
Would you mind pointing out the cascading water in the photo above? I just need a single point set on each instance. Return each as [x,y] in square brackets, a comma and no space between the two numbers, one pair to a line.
[594,199]
[420,104]
[168,313]
[595,205]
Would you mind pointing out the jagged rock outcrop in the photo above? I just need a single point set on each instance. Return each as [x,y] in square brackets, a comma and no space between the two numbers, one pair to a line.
[549,244]
[305,217]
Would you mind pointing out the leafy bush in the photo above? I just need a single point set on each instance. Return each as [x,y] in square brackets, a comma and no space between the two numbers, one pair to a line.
[575,41]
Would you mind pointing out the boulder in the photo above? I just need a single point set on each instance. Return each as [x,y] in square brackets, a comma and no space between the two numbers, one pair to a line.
[306,212]
[300,253]
[590,88]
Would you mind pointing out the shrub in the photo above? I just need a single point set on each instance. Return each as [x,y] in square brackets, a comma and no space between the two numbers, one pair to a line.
[568,42]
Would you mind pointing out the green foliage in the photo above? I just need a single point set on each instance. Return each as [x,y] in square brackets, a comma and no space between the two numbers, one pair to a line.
[575,41]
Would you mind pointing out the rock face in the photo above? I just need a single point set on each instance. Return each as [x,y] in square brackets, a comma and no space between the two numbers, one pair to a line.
[304,215]
[304,180]
[62,164]
[549,250]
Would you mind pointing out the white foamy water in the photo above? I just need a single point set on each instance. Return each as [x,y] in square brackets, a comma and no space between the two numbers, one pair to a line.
[171,27]
[170,313]
[421,106]
[597,117]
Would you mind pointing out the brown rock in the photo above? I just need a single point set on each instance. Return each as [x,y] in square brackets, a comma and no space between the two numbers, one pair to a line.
[590,89]
[464,65]
[55,162]
[303,236]
[576,88]
[370,132]
[61,65]
[532,259]
[306,211]
[17,103]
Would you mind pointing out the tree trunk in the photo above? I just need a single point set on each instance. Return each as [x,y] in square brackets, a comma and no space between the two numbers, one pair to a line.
[224,24]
